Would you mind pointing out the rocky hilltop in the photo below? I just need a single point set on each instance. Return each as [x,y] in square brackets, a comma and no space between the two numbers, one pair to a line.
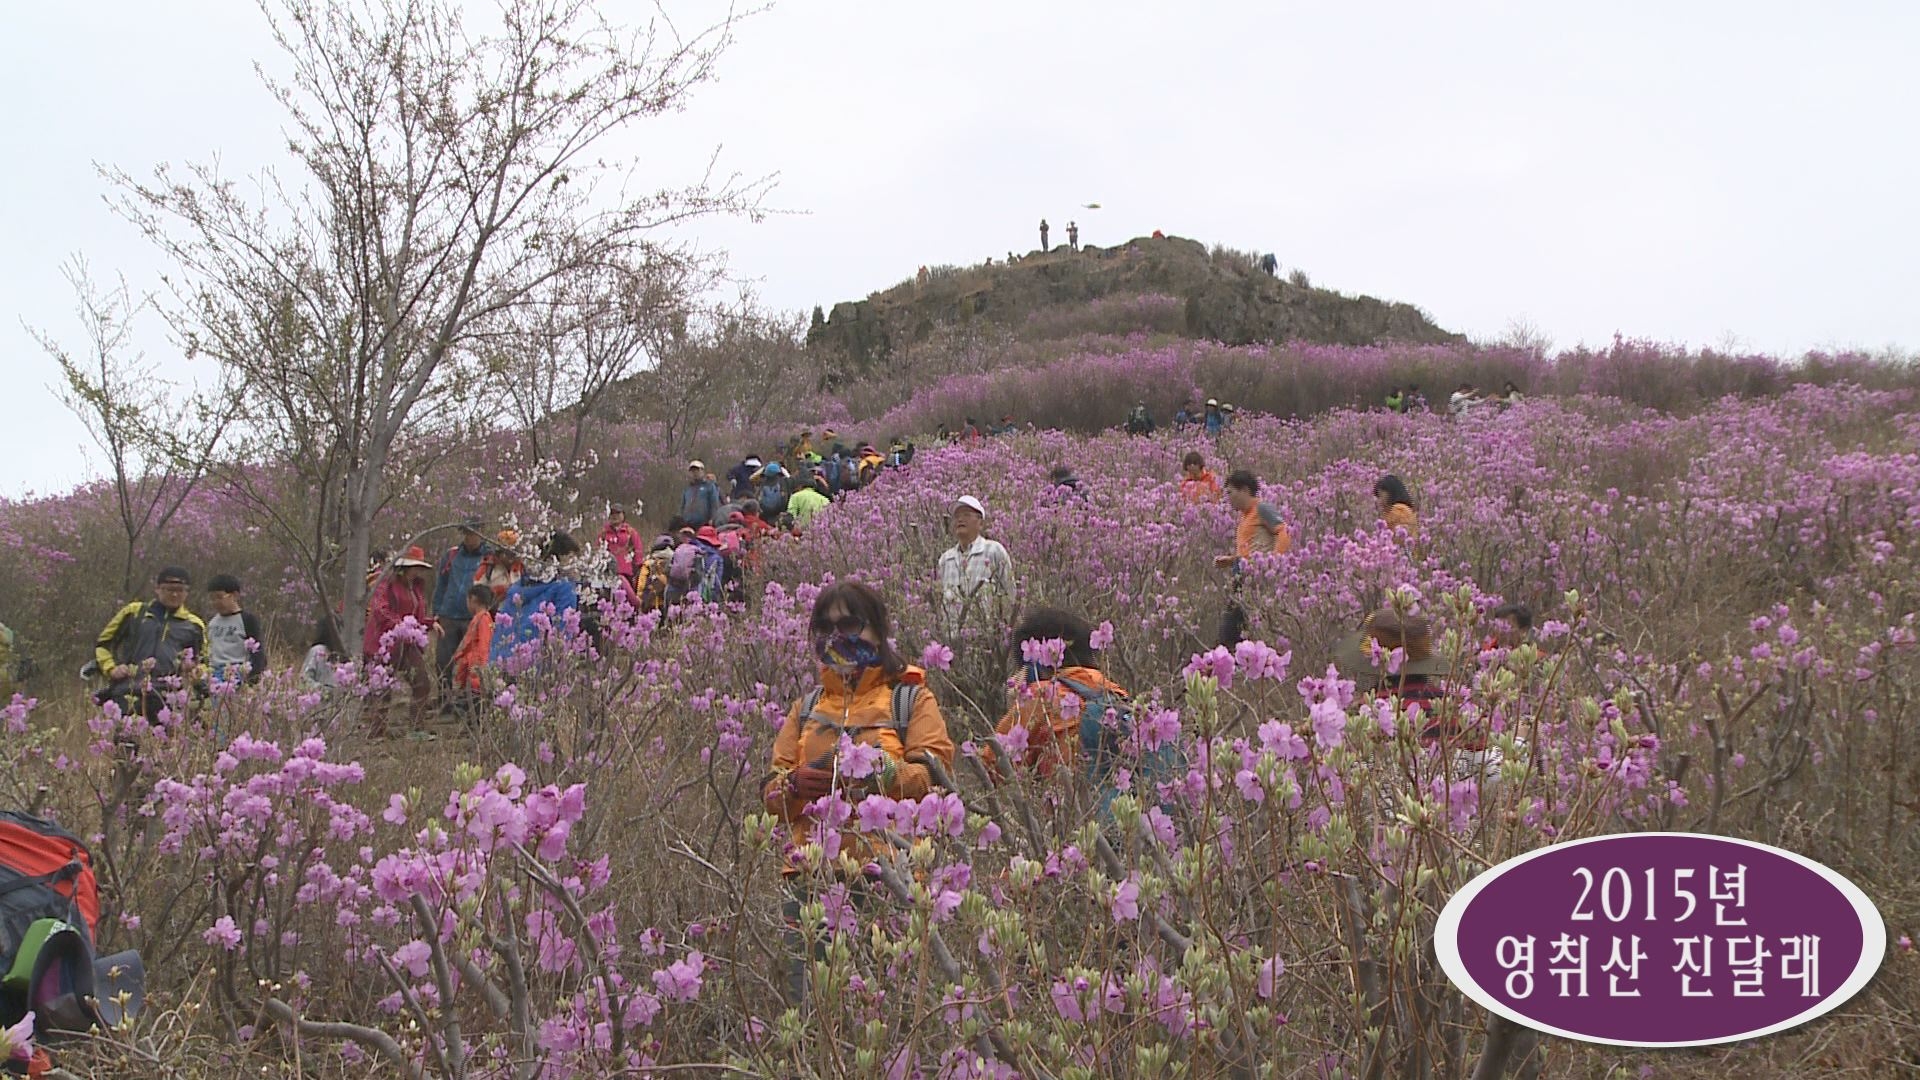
[1226,297]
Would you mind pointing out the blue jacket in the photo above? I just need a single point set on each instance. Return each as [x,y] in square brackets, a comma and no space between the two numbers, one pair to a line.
[700,504]
[523,601]
[1215,422]
[451,580]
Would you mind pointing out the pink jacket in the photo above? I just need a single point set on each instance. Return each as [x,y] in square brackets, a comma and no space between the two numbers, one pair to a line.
[393,600]
[623,543]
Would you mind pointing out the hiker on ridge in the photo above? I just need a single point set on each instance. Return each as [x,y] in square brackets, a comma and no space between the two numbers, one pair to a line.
[1073,236]
[1043,236]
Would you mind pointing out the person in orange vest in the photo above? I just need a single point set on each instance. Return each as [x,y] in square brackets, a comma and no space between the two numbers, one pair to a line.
[1259,531]
[870,726]
[1396,506]
[1052,738]
[1197,482]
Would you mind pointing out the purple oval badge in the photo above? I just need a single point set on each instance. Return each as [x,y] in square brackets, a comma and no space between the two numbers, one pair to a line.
[1660,939]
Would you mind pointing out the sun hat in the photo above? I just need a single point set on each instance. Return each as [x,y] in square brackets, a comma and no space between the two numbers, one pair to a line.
[972,504]
[415,556]
[709,535]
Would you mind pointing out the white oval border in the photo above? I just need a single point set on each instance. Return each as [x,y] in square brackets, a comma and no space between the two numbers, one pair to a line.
[1873,941]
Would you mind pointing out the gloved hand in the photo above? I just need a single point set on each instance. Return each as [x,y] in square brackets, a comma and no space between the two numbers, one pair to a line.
[809,782]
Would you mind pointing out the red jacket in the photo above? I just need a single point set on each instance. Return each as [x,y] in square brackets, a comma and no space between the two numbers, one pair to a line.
[393,600]
[623,543]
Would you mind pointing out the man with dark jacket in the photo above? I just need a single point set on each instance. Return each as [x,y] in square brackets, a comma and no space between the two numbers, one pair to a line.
[148,642]
[740,479]
[457,570]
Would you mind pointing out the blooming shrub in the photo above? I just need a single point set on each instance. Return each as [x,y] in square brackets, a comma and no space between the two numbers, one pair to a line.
[590,884]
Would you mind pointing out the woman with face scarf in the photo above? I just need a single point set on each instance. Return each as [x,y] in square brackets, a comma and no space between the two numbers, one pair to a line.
[859,671]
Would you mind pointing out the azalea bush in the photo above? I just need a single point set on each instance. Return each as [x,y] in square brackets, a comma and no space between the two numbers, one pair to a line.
[584,880]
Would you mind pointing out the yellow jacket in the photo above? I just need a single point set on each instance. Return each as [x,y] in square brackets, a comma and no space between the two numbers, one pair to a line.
[865,713]
[143,631]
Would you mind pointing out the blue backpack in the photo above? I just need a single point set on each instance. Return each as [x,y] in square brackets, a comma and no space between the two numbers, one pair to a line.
[773,500]
[1100,749]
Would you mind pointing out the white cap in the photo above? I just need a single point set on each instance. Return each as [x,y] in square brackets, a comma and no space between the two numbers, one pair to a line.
[972,504]
[1213,401]
[696,463]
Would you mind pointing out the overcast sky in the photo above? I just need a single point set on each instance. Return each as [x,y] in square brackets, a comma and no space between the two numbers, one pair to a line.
[1706,173]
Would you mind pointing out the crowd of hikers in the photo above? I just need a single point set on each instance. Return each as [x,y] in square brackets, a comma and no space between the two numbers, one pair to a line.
[482,598]
[446,628]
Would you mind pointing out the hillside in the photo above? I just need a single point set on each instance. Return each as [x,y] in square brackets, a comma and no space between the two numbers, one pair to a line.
[1226,298]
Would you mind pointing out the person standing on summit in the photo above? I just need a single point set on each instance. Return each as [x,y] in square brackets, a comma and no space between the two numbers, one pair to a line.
[1043,236]
[1073,236]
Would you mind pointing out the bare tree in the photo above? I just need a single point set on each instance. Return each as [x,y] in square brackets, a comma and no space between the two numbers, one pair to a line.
[731,366]
[587,334]
[157,440]
[445,176]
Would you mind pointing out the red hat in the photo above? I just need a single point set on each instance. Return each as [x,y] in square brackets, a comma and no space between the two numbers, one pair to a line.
[708,535]
[415,556]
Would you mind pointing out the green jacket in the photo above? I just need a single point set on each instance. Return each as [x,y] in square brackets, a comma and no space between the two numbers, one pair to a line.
[805,503]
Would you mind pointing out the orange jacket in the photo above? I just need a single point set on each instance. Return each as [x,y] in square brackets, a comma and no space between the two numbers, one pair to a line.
[1400,515]
[1202,488]
[472,654]
[864,712]
[1250,528]
[1052,739]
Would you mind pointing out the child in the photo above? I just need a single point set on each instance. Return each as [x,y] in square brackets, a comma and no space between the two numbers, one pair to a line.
[236,645]
[472,655]
[317,672]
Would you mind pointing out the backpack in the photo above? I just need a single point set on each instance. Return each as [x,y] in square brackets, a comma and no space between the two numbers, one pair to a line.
[684,567]
[830,469]
[711,574]
[1100,748]
[773,500]
[900,711]
[49,912]
[869,472]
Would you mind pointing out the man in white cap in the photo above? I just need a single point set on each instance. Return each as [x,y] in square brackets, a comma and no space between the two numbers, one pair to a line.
[1215,421]
[700,502]
[976,574]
